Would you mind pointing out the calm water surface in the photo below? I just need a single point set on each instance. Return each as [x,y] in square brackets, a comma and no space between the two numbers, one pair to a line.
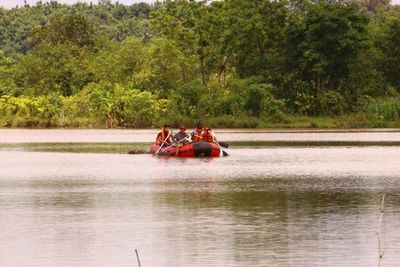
[261,206]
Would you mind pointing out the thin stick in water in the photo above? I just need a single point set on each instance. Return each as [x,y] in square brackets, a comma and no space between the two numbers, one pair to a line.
[137,256]
[379,231]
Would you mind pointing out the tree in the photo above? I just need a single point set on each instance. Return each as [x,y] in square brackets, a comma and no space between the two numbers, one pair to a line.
[185,22]
[62,68]
[254,101]
[121,63]
[320,48]
[387,41]
[169,67]
[374,5]
[187,98]
[132,27]
[222,36]
[258,30]
[66,28]
[5,73]
[59,61]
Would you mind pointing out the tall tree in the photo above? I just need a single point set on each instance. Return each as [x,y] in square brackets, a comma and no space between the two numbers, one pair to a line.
[387,40]
[63,28]
[59,61]
[169,67]
[258,27]
[5,73]
[320,47]
[124,63]
[185,22]
[222,35]
[374,5]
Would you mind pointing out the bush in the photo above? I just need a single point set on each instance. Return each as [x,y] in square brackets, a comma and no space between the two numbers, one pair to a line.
[387,109]
[332,103]
[275,111]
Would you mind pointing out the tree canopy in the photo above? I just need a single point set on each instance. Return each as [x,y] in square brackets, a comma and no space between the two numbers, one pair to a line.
[140,65]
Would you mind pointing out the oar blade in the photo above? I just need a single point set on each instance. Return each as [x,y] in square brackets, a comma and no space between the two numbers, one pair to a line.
[223,144]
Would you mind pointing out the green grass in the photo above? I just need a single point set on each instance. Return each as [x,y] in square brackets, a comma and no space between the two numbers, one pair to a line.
[350,121]
[113,148]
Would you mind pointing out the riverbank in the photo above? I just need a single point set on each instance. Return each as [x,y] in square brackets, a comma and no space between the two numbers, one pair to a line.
[352,121]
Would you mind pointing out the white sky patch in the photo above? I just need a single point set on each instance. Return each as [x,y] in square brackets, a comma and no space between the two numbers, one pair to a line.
[8,4]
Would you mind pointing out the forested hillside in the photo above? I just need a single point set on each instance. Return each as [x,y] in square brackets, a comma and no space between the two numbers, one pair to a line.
[229,63]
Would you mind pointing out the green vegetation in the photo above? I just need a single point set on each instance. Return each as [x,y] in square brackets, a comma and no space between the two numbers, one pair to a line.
[231,63]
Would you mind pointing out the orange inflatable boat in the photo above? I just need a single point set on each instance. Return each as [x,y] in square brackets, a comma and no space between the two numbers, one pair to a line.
[198,149]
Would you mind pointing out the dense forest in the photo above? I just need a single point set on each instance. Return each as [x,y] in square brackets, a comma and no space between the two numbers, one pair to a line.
[230,63]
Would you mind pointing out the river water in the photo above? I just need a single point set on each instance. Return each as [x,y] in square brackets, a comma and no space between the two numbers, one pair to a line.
[269,203]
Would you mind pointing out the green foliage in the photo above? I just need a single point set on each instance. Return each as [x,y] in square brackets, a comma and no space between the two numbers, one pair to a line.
[42,110]
[65,28]
[95,104]
[387,39]
[238,91]
[138,108]
[254,102]
[61,68]
[381,109]
[258,28]
[232,63]
[132,27]
[124,63]
[275,110]
[187,99]
[321,46]
[169,67]
[305,104]
[332,103]
[124,106]
[188,23]
[5,74]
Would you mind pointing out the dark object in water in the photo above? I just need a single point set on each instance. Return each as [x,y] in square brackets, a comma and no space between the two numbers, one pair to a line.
[137,151]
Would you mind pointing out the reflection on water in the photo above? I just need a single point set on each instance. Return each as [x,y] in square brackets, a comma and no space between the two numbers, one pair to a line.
[269,206]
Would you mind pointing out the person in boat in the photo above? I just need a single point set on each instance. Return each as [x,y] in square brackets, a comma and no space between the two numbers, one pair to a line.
[164,137]
[181,137]
[196,134]
[208,135]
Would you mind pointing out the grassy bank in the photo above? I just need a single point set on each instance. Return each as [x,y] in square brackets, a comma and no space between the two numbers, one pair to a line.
[353,121]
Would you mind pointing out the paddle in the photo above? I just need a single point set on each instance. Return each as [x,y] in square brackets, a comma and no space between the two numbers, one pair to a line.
[223,144]
[159,149]
[223,153]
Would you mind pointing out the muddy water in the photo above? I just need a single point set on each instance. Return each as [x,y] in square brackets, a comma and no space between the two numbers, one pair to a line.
[273,205]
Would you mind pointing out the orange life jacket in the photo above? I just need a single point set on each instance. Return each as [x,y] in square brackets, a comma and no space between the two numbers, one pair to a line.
[196,135]
[207,135]
[162,136]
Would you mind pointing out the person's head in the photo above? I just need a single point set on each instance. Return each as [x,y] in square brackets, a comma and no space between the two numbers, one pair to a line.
[208,128]
[199,127]
[182,128]
[166,128]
